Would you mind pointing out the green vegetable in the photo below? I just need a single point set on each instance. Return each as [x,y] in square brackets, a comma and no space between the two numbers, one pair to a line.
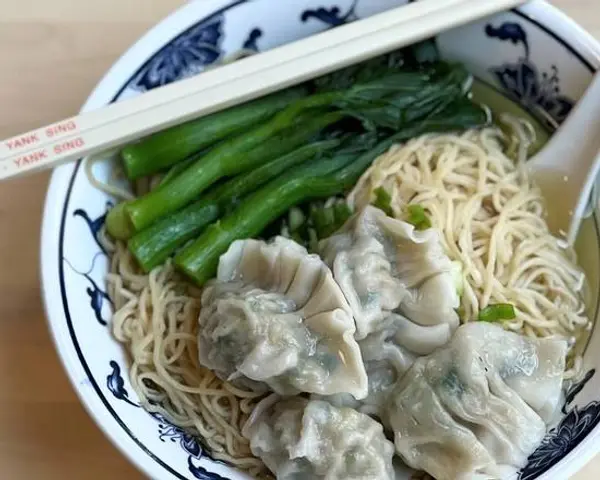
[383,201]
[233,190]
[168,147]
[120,226]
[117,222]
[179,167]
[362,72]
[461,114]
[418,217]
[155,244]
[314,180]
[200,258]
[497,312]
[405,107]
[231,157]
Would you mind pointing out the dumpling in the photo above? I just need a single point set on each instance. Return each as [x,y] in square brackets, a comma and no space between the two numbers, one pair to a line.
[479,406]
[384,265]
[388,353]
[274,317]
[300,439]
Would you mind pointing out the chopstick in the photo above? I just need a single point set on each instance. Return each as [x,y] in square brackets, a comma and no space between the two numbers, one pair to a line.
[217,89]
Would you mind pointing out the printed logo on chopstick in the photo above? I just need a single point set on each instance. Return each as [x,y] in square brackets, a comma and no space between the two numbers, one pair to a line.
[36,156]
[64,127]
[21,142]
[31,158]
[25,142]
[68,145]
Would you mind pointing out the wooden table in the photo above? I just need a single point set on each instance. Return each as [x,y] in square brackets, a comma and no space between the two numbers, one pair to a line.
[53,53]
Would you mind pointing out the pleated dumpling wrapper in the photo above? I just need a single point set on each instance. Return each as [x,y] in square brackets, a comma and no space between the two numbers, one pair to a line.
[385,265]
[388,353]
[480,406]
[275,318]
[403,291]
[297,438]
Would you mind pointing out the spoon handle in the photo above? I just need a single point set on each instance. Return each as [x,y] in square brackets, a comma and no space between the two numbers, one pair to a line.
[567,167]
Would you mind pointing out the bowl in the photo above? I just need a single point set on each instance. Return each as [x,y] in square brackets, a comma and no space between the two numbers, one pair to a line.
[534,54]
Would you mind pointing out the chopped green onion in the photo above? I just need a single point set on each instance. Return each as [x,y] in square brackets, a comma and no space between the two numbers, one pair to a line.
[496,312]
[418,217]
[383,201]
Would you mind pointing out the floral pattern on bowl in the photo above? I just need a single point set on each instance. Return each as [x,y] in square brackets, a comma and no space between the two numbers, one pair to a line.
[547,84]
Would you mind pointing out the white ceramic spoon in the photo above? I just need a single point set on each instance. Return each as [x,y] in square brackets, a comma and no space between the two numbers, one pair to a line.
[566,169]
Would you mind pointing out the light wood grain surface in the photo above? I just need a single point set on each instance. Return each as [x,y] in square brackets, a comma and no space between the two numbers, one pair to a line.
[52,54]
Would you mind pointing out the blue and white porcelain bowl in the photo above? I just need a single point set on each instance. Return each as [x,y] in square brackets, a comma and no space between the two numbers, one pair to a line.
[533,54]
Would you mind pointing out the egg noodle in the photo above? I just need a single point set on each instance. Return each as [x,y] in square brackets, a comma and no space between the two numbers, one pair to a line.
[491,219]
[156,319]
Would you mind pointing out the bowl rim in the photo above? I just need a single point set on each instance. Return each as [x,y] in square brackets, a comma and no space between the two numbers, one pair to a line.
[110,86]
